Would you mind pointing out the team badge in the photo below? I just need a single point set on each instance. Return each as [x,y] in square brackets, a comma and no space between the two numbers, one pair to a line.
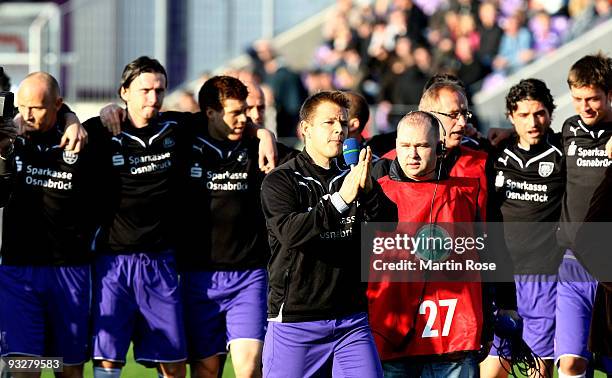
[70,157]
[545,168]
[169,142]
[242,157]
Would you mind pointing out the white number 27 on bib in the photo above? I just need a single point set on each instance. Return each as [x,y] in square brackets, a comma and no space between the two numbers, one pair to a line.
[428,331]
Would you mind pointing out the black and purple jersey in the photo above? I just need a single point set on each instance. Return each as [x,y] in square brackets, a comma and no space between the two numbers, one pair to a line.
[54,206]
[223,227]
[143,186]
[586,161]
[529,186]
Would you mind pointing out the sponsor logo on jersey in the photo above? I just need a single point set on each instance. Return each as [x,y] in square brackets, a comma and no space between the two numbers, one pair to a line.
[18,163]
[70,157]
[196,171]
[589,157]
[571,150]
[499,179]
[118,160]
[546,168]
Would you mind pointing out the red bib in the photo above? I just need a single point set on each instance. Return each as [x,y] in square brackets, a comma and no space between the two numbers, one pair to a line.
[448,314]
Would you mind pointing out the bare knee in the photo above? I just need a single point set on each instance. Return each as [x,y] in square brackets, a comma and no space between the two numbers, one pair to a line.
[108,364]
[246,357]
[572,365]
[206,368]
[493,367]
[173,369]
[72,371]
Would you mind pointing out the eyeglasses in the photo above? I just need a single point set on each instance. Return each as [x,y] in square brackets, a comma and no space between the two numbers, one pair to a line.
[455,115]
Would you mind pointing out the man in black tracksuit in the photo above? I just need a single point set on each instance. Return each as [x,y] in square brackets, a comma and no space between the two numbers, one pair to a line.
[316,302]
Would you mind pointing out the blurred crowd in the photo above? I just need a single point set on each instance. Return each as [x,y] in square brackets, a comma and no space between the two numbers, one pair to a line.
[387,49]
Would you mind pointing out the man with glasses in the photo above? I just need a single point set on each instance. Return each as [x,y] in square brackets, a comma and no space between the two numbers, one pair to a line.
[449,102]
[384,144]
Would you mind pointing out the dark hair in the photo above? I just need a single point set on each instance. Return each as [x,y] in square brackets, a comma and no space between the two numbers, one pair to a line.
[141,65]
[591,70]
[5,81]
[220,88]
[358,108]
[529,89]
[443,78]
[313,101]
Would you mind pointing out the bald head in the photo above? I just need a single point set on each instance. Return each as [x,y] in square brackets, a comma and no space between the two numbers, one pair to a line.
[418,137]
[38,100]
[420,119]
[256,104]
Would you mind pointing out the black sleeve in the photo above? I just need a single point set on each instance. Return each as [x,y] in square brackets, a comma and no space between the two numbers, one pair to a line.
[286,217]
[381,168]
[7,161]
[591,238]
[500,288]
[61,114]
[493,203]
[377,206]
[101,186]
[63,110]
[7,177]
[285,153]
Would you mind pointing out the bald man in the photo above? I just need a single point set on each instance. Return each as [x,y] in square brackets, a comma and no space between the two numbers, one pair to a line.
[425,193]
[256,104]
[47,226]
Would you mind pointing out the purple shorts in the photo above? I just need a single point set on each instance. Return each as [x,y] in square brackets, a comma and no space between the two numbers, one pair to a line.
[575,298]
[137,298]
[44,311]
[221,307]
[339,347]
[536,297]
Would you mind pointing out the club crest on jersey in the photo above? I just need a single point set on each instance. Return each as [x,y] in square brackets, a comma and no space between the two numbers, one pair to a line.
[546,168]
[70,157]
[242,157]
[169,142]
